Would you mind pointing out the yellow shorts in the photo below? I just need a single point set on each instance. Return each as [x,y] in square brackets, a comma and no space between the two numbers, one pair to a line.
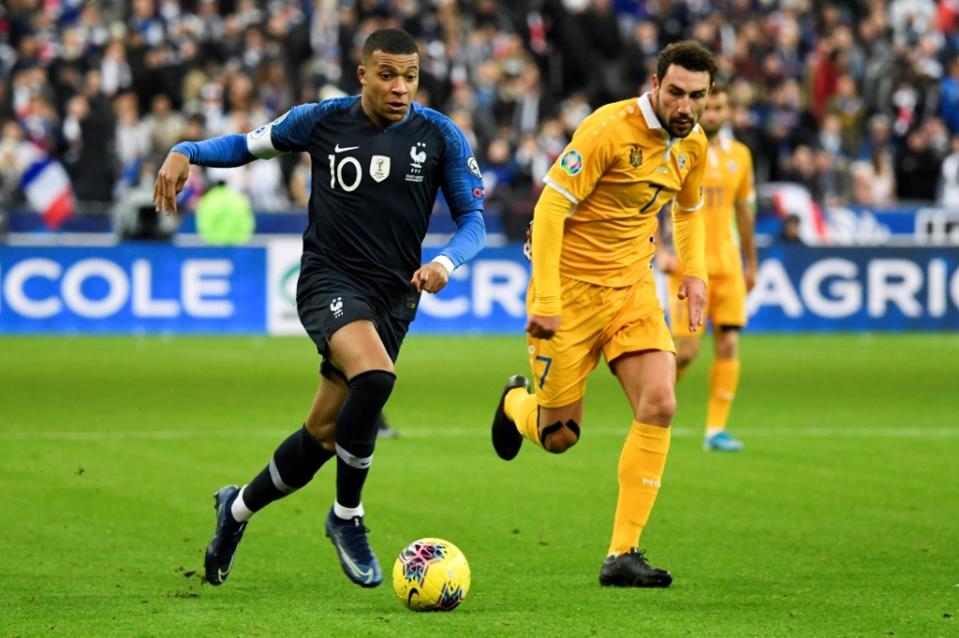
[725,304]
[596,320]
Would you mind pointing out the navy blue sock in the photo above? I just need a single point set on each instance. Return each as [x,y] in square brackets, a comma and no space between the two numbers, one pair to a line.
[293,465]
[356,428]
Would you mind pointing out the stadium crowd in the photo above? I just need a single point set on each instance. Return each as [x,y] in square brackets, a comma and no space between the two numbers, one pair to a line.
[858,100]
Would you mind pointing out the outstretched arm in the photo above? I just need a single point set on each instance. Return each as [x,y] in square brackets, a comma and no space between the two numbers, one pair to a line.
[288,133]
[226,151]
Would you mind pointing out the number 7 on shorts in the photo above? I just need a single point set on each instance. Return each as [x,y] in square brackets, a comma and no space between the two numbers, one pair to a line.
[548,361]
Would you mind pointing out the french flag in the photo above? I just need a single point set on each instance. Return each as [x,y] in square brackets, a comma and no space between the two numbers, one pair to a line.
[47,188]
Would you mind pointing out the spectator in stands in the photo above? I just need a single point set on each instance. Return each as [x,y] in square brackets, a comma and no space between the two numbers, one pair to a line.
[92,160]
[917,169]
[165,126]
[873,182]
[502,198]
[949,179]
[789,234]
[949,96]
[132,134]
[11,161]
[849,110]
[801,169]
[115,70]
[832,177]
[879,139]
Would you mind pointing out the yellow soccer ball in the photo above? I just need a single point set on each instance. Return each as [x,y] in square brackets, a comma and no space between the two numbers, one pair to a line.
[431,575]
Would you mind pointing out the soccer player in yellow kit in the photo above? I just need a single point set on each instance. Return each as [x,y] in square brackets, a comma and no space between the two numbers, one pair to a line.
[729,201]
[592,291]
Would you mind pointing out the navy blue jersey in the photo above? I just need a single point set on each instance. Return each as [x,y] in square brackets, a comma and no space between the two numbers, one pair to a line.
[373,188]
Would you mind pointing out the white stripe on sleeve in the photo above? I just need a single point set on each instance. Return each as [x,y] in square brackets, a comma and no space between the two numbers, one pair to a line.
[260,142]
[559,189]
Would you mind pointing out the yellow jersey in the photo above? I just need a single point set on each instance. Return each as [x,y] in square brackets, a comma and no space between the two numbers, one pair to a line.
[727,182]
[619,169]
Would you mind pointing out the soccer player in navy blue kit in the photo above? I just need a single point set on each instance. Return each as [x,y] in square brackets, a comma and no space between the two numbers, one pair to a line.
[377,162]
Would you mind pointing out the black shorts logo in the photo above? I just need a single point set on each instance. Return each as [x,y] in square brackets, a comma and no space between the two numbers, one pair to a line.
[336,307]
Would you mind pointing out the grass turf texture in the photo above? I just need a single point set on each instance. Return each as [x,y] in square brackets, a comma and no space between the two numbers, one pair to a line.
[839,519]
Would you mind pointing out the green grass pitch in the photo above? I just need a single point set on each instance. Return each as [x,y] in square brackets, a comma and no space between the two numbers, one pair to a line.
[841,518]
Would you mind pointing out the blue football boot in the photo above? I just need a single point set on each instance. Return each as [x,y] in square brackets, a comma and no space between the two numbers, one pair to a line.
[723,441]
[353,548]
[226,538]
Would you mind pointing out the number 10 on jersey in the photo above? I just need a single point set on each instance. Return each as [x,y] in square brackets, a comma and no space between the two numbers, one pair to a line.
[336,173]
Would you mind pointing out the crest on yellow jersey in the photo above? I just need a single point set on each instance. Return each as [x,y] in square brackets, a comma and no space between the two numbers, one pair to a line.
[635,156]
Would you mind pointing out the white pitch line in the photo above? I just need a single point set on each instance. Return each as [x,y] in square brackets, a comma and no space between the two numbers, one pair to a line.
[31,434]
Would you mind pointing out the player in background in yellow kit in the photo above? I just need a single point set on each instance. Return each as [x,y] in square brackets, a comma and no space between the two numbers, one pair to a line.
[729,204]
[592,292]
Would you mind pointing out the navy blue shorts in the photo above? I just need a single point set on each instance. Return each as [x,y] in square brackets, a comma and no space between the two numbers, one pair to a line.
[326,308]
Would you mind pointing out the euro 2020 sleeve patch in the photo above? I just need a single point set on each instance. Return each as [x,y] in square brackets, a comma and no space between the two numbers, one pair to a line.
[571,162]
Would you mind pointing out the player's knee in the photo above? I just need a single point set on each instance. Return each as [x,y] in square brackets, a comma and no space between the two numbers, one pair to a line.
[356,437]
[374,386]
[560,436]
[657,404]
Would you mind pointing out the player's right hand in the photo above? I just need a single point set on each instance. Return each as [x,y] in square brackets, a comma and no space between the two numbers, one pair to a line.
[749,274]
[170,181]
[693,290]
[542,327]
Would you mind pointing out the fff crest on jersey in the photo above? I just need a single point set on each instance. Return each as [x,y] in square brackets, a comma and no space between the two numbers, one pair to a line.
[417,158]
[681,160]
[635,156]
[379,167]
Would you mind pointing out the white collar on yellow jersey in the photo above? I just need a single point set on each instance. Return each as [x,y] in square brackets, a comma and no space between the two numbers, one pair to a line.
[646,107]
[649,114]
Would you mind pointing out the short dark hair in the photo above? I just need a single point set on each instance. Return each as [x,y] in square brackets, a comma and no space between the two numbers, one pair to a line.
[389,41]
[690,55]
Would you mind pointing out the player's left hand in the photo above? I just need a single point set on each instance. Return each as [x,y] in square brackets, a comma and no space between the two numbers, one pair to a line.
[693,290]
[432,277]
[749,274]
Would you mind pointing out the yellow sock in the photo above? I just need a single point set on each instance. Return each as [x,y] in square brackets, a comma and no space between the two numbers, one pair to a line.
[723,380]
[641,467]
[521,407]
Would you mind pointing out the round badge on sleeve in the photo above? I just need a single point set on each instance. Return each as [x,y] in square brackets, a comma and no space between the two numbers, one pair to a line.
[473,166]
[571,162]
